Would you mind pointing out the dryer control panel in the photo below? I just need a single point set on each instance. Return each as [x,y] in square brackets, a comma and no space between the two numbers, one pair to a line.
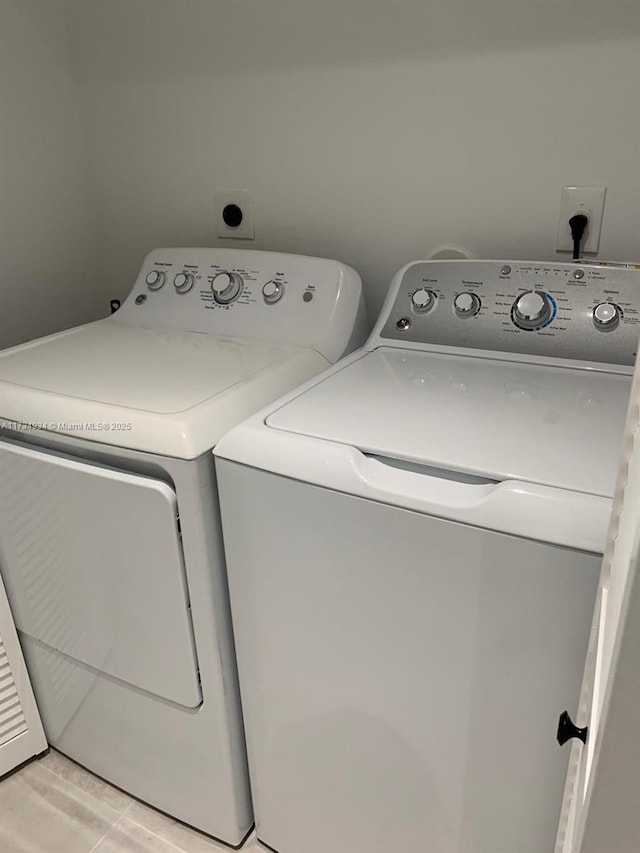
[262,296]
[570,311]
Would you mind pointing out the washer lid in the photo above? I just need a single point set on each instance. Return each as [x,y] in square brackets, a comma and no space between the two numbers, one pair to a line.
[554,426]
[174,392]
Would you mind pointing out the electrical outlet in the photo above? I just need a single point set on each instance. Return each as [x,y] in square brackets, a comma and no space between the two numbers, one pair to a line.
[234,217]
[589,200]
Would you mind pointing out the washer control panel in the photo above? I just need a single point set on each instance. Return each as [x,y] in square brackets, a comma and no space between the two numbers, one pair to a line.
[262,296]
[590,313]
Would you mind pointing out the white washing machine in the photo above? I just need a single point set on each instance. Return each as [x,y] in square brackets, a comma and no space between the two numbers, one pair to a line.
[110,546]
[412,608]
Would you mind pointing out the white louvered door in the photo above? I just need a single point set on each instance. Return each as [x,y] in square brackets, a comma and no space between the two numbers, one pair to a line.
[21,733]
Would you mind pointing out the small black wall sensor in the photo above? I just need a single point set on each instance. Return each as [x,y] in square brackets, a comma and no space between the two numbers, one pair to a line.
[232,215]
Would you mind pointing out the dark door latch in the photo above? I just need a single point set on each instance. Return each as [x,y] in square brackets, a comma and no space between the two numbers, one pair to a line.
[567,730]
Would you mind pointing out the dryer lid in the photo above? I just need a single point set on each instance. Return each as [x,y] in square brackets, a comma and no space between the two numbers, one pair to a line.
[499,420]
[117,364]
[161,391]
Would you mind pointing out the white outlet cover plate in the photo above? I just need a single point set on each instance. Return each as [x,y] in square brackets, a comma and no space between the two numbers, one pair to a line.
[244,231]
[575,200]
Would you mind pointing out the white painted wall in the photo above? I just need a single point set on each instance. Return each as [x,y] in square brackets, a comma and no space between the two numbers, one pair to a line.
[369,131]
[47,277]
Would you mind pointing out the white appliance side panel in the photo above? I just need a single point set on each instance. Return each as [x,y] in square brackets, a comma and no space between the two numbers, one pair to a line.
[93,566]
[401,676]
[21,732]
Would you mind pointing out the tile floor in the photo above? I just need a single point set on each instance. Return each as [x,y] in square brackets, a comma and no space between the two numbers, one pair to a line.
[54,806]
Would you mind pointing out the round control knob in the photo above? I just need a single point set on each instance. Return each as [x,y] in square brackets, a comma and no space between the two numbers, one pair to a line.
[273,291]
[423,300]
[183,282]
[532,310]
[606,316]
[466,304]
[155,280]
[226,287]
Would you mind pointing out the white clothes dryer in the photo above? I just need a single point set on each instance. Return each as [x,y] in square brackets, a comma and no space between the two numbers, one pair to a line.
[110,546]
[412,609]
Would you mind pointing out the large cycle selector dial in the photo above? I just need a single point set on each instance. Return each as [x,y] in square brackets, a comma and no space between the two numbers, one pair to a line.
[183,282]
[532,310]
[226,287]
[155,279]
[606,316]
[423,300]
[466,304]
